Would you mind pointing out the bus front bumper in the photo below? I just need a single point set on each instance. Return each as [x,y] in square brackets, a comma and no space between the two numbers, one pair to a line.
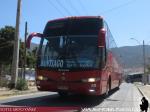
[78,88]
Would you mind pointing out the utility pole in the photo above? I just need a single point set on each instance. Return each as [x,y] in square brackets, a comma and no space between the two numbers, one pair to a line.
[26,33]
[14,69]
[144,78]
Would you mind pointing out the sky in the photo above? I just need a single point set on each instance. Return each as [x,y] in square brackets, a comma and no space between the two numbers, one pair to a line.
[126,18]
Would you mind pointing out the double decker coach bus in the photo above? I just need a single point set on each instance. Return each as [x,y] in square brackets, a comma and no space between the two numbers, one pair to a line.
[76,56]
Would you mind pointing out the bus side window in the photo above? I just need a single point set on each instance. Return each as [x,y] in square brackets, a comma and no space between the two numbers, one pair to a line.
[105,50]
[104,57]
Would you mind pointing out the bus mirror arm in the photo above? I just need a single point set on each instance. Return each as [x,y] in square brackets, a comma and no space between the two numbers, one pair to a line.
[28,41]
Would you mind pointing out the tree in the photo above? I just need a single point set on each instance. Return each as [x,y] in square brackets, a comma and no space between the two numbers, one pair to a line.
[7,35]
[30,55]
[31,58]
[6,46]
[21,54]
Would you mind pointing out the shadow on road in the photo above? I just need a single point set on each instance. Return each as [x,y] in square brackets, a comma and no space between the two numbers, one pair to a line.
[57,101]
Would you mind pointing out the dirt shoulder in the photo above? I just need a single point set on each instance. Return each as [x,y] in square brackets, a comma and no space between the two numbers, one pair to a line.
[6,92]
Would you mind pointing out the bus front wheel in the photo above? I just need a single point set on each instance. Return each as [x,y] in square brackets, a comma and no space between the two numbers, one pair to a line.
[108,87]
[63,93]
[107,90]
[119,83]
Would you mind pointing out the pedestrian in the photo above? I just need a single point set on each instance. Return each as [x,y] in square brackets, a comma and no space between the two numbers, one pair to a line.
[144,105]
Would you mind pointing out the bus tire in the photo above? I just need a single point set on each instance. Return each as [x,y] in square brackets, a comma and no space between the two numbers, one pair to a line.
[108,88]
[63,93]
[119,85]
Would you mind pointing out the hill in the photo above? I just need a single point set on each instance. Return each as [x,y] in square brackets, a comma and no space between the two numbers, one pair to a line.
[132,56]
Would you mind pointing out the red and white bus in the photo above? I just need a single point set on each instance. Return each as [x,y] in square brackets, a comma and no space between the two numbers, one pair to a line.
[77,55]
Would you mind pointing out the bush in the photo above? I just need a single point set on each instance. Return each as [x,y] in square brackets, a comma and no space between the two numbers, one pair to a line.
[22,84]
[4,82]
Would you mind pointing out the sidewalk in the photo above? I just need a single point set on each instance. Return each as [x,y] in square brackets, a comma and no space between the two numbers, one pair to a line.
[145,91]
[5,92]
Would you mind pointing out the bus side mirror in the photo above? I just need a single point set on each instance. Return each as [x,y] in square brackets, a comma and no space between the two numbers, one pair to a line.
[28,42]
[101,37]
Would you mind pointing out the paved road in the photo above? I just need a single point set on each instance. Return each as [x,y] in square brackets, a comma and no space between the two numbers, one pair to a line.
[126,99]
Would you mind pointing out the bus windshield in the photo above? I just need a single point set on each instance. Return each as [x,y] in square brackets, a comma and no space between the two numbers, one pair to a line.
[70,45]
[69,52]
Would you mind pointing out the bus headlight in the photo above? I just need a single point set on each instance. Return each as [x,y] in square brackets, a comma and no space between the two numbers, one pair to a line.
[40,77]
[91,80]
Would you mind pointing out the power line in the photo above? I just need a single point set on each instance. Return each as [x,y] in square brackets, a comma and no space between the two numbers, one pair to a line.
[118,7]
[63,7]
[52,4]
[73,7]
[81,4]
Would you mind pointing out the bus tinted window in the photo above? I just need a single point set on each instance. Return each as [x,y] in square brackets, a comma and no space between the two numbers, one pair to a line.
[69,52]
[88,26]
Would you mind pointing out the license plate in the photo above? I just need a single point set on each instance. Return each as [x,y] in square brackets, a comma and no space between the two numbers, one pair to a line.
[62,87]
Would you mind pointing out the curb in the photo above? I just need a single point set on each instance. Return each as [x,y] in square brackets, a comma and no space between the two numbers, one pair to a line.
[5,96]
[143,95]
[140,91]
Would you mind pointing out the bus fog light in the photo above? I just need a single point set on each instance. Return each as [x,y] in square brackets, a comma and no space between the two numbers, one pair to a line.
[38,87]
[37,82]
[93,85]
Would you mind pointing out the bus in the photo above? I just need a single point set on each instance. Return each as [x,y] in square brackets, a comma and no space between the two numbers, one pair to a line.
[77,55]
[134,77]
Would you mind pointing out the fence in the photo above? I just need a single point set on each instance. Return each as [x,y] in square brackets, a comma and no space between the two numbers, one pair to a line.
[5,76]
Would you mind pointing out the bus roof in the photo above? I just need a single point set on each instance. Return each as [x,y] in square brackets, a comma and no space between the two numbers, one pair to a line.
[76,17]
[135,73]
